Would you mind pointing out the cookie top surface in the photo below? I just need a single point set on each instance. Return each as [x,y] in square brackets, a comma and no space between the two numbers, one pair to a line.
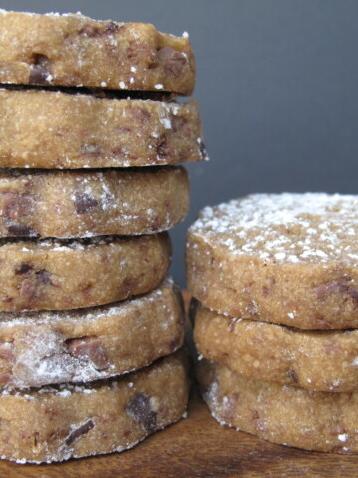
[74,50]
[284,228]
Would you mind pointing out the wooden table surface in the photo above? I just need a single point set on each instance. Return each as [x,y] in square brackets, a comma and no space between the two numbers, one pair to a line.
[197,448]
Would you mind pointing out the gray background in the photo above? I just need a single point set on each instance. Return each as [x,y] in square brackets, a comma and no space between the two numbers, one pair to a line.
[277,85]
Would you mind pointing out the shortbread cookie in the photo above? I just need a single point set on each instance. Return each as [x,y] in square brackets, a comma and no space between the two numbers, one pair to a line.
[43,348]
[282,414]
[288,258]
[84,204]
[58,423]
[49,129]
[73,50]
[314,360]
[56,275]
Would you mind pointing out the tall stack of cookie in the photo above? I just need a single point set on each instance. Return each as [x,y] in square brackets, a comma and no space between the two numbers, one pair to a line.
[277,281]
[78,245]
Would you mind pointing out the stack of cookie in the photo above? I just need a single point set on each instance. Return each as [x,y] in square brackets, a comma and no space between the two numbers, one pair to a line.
[78,245]
[277,281]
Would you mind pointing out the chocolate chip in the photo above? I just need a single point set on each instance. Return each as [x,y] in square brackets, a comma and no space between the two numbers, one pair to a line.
[91,348]
[43,277]
[292,375]
[174,61]
[16,205]
[40,73]
[162,148]
[84,203]
[93,31]
[139,409]
[24,268]
[340,286]
[78,432]
[30,286]
[20,230]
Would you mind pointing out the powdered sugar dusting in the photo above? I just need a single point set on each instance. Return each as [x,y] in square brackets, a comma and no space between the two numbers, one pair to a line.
[288,227]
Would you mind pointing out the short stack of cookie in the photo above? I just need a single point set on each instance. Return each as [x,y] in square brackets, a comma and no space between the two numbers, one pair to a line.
[275,280]
[84,250]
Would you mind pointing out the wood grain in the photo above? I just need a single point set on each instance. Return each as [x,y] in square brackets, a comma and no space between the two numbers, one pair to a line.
[197,448]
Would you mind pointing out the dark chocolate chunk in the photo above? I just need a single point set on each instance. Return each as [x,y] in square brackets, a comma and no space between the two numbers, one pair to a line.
[23,268]
[20,230]
[84,203]
[40,73]
[173,60]
[93,31]
[292,375]
[139,409]
[91,348]
[340,286]
[78,432]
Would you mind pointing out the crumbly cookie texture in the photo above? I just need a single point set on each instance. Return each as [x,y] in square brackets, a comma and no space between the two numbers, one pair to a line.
[61,275]
[72,421]
[44,348]
[83,204]
[74,50]
[313,360]
[284,258]
[320,421]
[49,129]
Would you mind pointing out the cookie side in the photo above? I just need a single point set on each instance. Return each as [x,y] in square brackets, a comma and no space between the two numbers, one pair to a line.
[55,424]
[61,275]
[74,50]
[48,129]
[83,204]
[45,348]
[320,361]
[281,414]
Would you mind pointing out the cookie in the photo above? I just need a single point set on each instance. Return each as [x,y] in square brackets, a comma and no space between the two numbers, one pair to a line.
[49,129]
[60,275]
[74,50]
[314,360]
[287,258]
[320,421]
[72,421]
[84,204]
[44,348]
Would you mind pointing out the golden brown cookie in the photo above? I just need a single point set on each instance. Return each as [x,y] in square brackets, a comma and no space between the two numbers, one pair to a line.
[58,275]
[84,204]
[314,360]
[284,258]
[320,421]
[48,129]
[73,50]
[71,421]
[43,348]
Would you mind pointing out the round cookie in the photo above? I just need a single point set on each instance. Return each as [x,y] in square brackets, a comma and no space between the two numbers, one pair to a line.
[283,258]
[74,50]
[43,348]
[49,129]
[84,204]
[320,421]
[61,275]
[313,360]
[72,421]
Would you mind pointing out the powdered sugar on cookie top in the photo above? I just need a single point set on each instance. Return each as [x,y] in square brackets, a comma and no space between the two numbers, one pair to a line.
[288,227]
